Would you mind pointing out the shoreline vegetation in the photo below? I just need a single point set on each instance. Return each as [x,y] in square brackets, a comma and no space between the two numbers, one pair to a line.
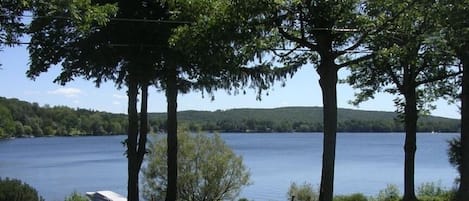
[21,119]
[430,191]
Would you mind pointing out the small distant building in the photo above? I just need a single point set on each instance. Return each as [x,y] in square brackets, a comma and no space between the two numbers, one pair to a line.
[105,196]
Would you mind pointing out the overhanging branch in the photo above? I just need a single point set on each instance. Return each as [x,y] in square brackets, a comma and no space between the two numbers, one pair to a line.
[355,61]
[300,41]
[437,78]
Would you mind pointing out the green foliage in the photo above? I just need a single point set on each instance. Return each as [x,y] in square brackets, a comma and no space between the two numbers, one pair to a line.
[432,191]
[207,169]
[11,25]
[16,190]
[76,197]
[303,192]
[409,54]
[353,197]
[298,119]
[216,48]
[7,127]
[455,153]
[19,118]
[390,193]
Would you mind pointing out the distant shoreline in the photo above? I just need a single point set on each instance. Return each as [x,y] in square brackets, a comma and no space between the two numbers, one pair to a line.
[263,133]
[23,119]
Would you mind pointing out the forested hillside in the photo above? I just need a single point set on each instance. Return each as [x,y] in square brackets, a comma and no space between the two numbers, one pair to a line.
[20,118]
[300,119]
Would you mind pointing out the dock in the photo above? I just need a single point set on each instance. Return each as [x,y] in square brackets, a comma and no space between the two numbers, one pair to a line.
[105,196]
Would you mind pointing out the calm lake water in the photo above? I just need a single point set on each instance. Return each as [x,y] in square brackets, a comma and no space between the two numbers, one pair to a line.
[366,162]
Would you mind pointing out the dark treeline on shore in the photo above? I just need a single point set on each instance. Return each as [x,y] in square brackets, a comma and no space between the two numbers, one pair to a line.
[300,119]
[20,118]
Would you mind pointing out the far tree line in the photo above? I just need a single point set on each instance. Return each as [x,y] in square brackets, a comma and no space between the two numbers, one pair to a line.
[24,119]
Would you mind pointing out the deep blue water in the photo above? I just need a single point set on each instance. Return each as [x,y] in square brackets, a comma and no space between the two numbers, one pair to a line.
[366,162]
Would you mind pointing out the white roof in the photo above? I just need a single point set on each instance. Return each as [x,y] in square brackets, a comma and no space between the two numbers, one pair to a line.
[105,196]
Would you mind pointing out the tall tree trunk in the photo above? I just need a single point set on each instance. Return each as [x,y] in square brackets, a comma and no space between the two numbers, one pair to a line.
[132,168]
[142,138]
[328,81]
[410,147]
[463,190]
[171,96]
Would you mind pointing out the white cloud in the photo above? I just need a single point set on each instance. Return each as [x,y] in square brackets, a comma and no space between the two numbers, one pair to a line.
[118,96]
[116,102]
[67,92]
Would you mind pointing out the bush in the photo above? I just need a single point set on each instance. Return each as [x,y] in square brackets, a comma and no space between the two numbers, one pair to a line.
[390,193]
[304,192]
[433,192]
[76,197]
[353,197]
[455,154]
[16,190]
[207,169]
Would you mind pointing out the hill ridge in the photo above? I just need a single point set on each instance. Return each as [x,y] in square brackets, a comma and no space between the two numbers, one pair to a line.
[20,118]
[302,119]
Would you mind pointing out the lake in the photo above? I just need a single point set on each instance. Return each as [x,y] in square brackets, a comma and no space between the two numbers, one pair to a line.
[365,162]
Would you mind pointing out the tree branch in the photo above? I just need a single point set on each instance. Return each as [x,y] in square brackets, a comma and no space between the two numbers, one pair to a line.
[437,78]
[352,47]
[355,61]
[274,51]
[394,78]
[374,31]
[300,41]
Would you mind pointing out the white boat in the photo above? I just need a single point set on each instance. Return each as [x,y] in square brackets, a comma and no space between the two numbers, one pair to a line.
[105,196]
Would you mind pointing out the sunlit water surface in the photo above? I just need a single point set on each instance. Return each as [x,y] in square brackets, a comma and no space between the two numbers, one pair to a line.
[366,162]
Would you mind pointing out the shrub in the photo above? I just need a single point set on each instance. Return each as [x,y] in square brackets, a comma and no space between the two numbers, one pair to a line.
[353,197]
[390,193]
[433,192]
[76,197]
[207,169]
[304,192]
[16,190]
[455,154]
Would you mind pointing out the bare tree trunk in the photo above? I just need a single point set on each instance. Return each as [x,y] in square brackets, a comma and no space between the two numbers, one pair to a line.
[463,190]
[132,170]
[410,146]
[328,81]
[142,138]
[171,96]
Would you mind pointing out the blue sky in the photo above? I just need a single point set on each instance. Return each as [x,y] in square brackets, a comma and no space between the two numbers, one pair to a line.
[302,90]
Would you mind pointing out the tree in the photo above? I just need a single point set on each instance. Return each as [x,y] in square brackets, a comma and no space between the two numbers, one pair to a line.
[137,52]
[410,60]
[11,25]
[303,192]
[7,125]
[207,51]
[16,190]
[86,49]
[451,14]
[207,169]
[325,34]
[76,197]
